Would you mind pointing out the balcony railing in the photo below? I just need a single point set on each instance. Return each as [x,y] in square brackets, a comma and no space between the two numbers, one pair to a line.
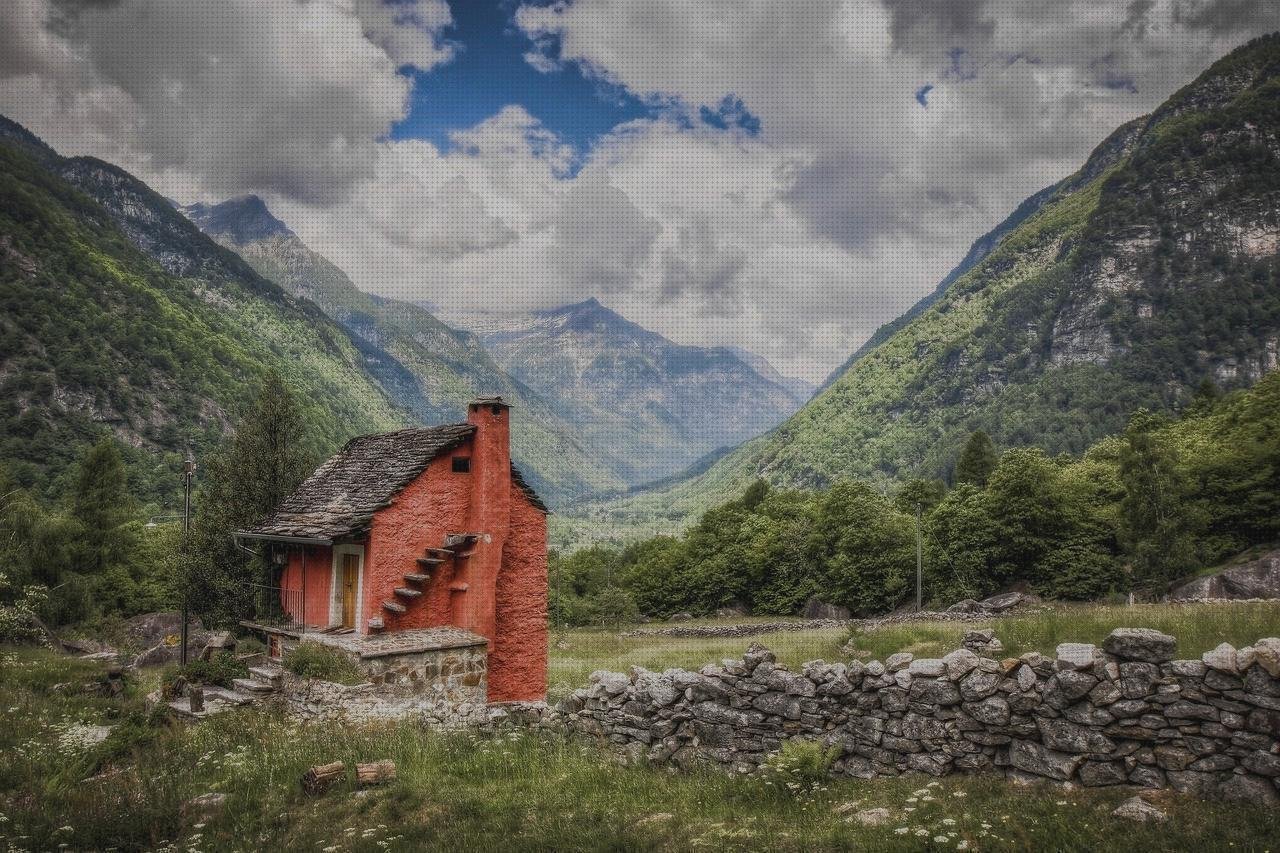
[274,605]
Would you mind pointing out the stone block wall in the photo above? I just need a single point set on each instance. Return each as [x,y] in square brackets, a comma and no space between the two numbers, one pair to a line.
[435,686]
[1127,713]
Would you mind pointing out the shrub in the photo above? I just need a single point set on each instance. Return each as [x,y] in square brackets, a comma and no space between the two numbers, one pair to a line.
[800,766]
[313,660]
[221,669]
[18,620]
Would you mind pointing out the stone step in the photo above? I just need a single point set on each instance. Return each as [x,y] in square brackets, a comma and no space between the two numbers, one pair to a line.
[455,539]
[417,578]
[252,685]
[405,592]
[430,562]
[394,607]
[268,674]
[459,587]
[444,552]
[222,694]
[376,623]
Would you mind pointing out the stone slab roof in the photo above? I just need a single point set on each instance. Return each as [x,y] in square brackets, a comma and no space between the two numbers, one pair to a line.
[340,498]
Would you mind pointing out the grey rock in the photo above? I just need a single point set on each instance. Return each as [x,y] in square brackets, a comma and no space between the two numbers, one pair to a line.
[815,608]
[1075,655]
[1005,601]
[1066,736]
[1222,658]
[778,704]
[978,685]
[993,711]
[1139,810]
[928,667]
[1204,785]
[1096,774]
[898,661]
[1189,668]
[1258,578]
[960,663]
[1068,687]
[1036,758]
[933,691]
[1262,763]
[872,817]
[1140,644]
[1246,788]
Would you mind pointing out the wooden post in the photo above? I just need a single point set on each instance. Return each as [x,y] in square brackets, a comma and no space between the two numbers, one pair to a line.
[376,773]
[318,779]
[195,698]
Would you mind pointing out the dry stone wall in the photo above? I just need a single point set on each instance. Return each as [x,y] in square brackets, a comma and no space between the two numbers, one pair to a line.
[1126,713]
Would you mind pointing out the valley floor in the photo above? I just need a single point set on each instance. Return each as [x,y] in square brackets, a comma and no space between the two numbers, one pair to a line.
[63,788]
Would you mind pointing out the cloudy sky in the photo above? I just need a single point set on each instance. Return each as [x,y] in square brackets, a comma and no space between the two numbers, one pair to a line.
[783,175]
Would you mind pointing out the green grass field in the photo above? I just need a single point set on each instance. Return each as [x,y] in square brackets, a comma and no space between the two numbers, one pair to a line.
[575,654]
[518,791]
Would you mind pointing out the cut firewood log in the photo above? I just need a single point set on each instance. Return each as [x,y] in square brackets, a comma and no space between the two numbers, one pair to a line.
[195,698]
[376,773]
[318,779]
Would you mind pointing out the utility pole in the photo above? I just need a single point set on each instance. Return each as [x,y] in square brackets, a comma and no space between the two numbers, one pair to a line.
[188,473]
[919,558]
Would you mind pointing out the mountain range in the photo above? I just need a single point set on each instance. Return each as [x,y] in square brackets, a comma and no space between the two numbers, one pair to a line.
[660,404]
[1150,270]
[156,321]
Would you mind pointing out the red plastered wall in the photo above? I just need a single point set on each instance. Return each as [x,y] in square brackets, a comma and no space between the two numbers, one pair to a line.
[319,568]
[421,516]
[518,650]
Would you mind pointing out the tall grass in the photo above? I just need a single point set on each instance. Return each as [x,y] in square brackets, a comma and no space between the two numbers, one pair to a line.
[1197,627]
[515,791]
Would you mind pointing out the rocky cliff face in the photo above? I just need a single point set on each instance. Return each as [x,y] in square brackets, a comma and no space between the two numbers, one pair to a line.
[1126,285]
[662,404]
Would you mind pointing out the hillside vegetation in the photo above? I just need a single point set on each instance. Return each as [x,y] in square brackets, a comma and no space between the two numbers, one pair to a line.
[120,316]
[426,367]
[1138,511]
[1153,268]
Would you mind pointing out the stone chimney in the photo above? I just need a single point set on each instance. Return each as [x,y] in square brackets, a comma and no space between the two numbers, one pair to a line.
[489,513]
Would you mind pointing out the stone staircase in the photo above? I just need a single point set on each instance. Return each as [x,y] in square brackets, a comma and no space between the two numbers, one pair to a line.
[457,547]
[263,681]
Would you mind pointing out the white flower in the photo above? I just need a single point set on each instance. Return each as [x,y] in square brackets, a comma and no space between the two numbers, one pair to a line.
[922,832]
[902,830]
[959,794]
[949,821]
[939,839]
[962,844]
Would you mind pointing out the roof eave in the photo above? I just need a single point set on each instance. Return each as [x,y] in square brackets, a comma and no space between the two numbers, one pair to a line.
[279,537]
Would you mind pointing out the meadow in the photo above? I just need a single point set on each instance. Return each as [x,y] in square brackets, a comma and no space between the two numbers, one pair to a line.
[576,653]
[63,787]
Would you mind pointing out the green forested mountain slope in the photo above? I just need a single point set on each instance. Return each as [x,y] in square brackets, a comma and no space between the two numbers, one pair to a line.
[119,314]
[423,365]
[1152,269]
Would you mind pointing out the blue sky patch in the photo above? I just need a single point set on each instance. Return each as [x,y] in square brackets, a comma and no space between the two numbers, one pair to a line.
[922,95]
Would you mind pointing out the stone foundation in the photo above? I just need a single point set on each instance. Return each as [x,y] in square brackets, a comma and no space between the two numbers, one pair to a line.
[1123,714]
[434,682]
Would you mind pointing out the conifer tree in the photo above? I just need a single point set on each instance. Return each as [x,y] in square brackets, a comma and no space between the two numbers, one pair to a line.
[255,469]
[977,461]
[101,509]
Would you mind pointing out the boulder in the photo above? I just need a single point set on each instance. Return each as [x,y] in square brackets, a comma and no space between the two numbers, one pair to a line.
[1140,644]
[1258,578]
[1138,809]
[152,629]
[1266,654]
[1006,601]
[966,605]
[1065,736]
[218,641]
[872,817]
[1095,774]
[1247,788]
[815,608]
[681,617]
[1068,687]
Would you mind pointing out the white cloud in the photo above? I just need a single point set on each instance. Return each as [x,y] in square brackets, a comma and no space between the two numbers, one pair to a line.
[272,95]
[851,202]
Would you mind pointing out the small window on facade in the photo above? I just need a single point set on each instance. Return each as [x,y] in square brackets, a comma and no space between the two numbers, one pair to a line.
[461,464]
[497,410]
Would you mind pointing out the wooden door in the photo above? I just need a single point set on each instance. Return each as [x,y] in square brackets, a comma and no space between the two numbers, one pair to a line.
[350,579]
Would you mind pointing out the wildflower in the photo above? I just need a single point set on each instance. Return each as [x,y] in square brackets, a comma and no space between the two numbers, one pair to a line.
[921,833]
[948,821]
[902,830]
[959,794]
[939,839]
[962,844]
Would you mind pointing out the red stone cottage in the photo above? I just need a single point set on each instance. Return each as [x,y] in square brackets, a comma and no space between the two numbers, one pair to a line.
[420,539]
